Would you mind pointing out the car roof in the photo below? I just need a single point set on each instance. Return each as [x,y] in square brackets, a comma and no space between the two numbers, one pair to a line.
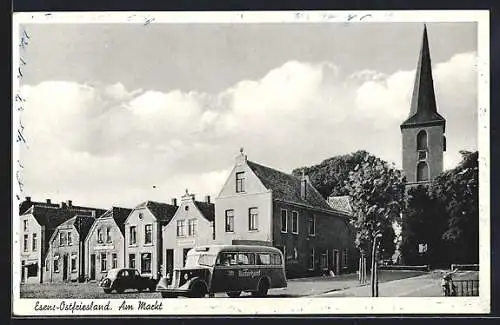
[232,248]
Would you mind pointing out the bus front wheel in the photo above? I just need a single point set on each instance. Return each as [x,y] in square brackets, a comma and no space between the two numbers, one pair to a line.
[233,294]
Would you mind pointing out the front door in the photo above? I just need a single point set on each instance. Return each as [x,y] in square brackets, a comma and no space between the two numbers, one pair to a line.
[92,267]
[184,255]
[336,261]
[169,262]
[65,267]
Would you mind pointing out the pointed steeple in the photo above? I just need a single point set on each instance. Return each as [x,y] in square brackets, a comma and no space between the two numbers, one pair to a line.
[423,108]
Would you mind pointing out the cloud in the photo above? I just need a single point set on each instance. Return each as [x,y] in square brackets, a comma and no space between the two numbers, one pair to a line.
[105,144]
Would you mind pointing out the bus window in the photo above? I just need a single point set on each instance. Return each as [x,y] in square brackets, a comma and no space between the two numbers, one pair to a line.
[263,259]
[227,259]
[246,259]
[276,259]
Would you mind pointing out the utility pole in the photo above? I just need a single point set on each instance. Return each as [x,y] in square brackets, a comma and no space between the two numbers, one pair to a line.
[376,237]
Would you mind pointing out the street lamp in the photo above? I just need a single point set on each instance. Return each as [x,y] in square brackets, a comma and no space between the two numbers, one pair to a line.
[374,277]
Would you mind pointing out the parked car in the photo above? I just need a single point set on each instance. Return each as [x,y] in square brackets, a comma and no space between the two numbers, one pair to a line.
[122,279]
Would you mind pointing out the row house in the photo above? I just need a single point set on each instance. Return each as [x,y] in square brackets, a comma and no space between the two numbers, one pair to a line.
[105,243]
[143,236]
[192,225]
[38,221]
[65,259]
[264,206]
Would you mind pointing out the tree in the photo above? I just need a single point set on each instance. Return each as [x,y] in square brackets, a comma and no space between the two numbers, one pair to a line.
[377,191]
[457,191]
[330,176]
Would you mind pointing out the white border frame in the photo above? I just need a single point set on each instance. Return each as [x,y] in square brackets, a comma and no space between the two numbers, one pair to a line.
[268,306]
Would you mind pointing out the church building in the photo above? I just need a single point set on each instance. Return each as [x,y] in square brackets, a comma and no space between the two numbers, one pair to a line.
[423,131]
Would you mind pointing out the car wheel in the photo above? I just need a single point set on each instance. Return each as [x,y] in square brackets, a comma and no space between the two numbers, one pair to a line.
[261,289]
[140,289]
[107,290]
[168,295]
[199,290]
[152,288]
[233,294]
[120,290]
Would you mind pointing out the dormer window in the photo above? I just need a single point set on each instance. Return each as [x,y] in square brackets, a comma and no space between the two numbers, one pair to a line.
[240,182]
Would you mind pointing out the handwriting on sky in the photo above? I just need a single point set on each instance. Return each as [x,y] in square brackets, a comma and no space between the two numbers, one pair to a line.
[19,102]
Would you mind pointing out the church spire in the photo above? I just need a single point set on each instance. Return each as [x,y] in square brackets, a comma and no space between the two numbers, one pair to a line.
[423,108]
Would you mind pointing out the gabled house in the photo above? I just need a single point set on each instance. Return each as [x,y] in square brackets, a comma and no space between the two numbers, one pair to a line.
[143,238]
[191,226]
[65,259]
[37,224]
[264,206]
[105,243]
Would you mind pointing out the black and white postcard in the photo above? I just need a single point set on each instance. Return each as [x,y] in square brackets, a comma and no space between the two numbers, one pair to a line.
[250,163]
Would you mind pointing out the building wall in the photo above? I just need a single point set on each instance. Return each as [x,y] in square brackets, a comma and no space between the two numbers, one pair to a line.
[254,196]
[140,247]
[28,255]
[93,246]
[170,240]
[73,251]
[435,151]
[332,233]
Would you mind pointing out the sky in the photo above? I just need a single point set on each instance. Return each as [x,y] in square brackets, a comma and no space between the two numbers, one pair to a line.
[117,114]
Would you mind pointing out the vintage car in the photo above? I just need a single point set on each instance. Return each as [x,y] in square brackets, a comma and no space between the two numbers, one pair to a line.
[122,279]
[226,268]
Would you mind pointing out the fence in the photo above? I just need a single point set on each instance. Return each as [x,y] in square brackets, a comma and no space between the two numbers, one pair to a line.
[464,288]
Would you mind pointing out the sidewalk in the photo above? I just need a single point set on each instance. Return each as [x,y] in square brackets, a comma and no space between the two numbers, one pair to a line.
[323,285]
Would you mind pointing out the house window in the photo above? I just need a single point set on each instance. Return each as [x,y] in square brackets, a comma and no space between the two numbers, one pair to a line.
[295,222]
[25,243]
[70,240]
[56,263]
[100,239]
[104,262]
[25,225]
[114,260]
[108,235]
[284,220]
[312,225]
[192,227]
[146,263]
[311,259]
[73,263]
[253,216]
[180,228]
[133,235]
[61,239]
[240,182]
[131,261]
[324,261]
[229,220]
[345,258]
[148,234]
[33,243]
[422,171]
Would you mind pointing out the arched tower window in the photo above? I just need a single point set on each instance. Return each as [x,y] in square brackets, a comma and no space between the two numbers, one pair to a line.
[422,172]
[422,140]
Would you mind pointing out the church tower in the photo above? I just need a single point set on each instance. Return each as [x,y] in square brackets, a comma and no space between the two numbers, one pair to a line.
[423,131]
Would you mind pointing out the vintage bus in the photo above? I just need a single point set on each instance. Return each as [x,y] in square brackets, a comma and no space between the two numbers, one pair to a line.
[232,269]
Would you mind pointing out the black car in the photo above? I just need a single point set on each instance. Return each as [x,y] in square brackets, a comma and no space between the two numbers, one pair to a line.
[122,279]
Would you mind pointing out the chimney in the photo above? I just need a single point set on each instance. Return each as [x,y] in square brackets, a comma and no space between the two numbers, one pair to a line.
[28,199]
[70,203]
[304,179]
[48,201]
[241,158]
[63,205]
[207,198]
[174,202]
